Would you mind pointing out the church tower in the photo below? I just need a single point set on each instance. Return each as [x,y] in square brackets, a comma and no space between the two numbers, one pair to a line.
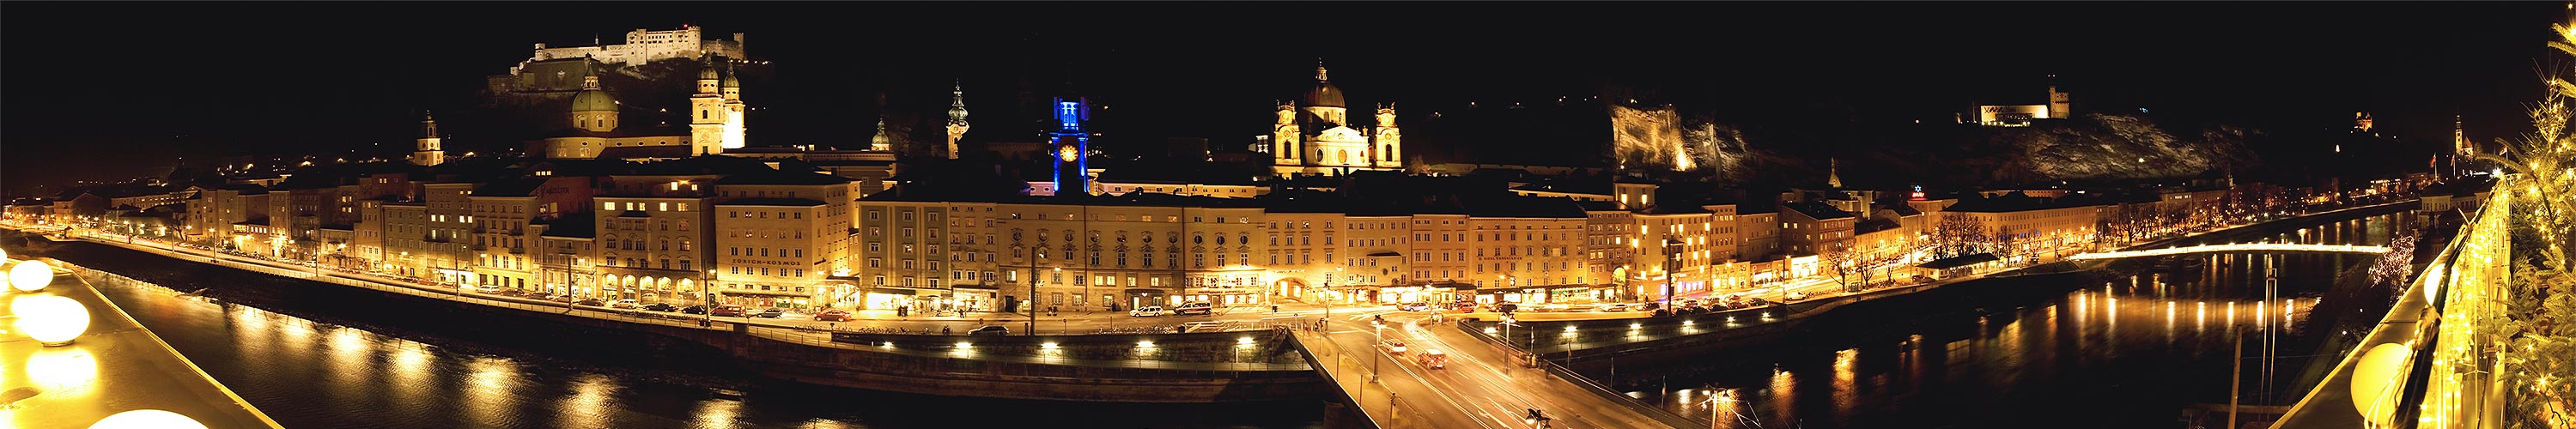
[880,142]
[1389,148]
[956,116]
[1071,145]
[2462,149]
[731,87]
[1285,148]
[593,109]
[707,113]
[425,150]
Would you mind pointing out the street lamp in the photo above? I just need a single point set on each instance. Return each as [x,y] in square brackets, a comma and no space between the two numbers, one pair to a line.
[1380,327]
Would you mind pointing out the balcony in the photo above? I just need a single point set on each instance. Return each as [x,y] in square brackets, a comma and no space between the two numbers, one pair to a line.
[519,250]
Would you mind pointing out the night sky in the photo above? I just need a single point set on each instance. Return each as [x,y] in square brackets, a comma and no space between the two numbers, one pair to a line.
[100,91]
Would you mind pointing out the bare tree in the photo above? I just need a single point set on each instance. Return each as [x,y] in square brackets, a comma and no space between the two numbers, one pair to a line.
[1957,233]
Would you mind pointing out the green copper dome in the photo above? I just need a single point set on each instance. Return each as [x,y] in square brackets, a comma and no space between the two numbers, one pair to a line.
[593,100]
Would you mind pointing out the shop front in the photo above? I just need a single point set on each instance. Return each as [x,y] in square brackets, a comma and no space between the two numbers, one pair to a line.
[758,299]
[975,298]
[1135,297]
[903,299]
[1223,295]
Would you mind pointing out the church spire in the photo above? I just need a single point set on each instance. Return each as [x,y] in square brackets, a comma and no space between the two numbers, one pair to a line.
[1833,173]
[956,115]
[957,103]
[1319,70]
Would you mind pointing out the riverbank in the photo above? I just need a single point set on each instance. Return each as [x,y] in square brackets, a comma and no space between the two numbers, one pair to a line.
[778,354]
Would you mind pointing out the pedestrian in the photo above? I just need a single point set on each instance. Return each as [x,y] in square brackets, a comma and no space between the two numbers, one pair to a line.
[943,330]
[1274,309]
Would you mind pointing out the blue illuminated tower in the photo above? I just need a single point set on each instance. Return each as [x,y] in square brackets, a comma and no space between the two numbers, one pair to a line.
[1072,145]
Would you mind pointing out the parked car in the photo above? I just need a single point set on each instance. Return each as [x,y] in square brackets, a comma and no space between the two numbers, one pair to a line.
[727,311]
[1507,308]
[593,302]
[1612,307]
[1392,345]
[625,303]
[660,306]
[995,330]
[1146,311]
[1198,308]
[488,289]
[834,316]
[694,309]
[772,313]
[1796,295]
[1413,306]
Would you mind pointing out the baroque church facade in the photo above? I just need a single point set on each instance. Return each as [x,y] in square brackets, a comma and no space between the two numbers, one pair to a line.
[1317,137]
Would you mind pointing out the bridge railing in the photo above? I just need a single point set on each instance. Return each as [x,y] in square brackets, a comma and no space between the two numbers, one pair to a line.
[2387,381]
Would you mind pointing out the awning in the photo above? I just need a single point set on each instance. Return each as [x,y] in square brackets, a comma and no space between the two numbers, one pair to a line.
[1384,254]
[1961,261]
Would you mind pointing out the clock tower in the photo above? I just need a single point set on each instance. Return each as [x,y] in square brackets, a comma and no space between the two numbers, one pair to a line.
[1070,146]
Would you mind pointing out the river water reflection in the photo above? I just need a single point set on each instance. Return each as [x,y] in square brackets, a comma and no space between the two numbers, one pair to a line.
[310,374]
[2132,352]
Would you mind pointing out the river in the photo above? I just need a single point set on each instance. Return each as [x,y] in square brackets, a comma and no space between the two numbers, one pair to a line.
[371,367]
[2131,352]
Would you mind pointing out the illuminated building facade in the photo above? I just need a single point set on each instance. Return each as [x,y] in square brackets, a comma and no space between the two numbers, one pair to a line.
[1318,137]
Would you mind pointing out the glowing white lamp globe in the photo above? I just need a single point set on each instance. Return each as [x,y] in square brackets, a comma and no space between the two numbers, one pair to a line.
[154,419]
[30,276]
[2380,369]
[51,320]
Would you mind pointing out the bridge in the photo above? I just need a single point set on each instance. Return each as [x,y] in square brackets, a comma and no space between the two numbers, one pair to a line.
[2238,247]
[2433,361]
[1482,385]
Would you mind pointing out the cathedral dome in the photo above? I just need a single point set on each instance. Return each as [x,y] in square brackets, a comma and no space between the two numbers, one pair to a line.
[1324,95]
[593,100]
[708,72]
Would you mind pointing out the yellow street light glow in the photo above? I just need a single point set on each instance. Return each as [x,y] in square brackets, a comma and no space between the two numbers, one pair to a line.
[51,320]
[30,276]
[965,345]
[1243,340]
[1147,344]
[154,419]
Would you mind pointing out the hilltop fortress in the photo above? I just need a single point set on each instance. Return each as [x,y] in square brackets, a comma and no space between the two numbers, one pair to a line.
[644,46]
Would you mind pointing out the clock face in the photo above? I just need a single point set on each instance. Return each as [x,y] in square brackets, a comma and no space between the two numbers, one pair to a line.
[1068,153]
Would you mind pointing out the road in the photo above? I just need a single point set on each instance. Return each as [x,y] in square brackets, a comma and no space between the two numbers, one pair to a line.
[1482,385]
